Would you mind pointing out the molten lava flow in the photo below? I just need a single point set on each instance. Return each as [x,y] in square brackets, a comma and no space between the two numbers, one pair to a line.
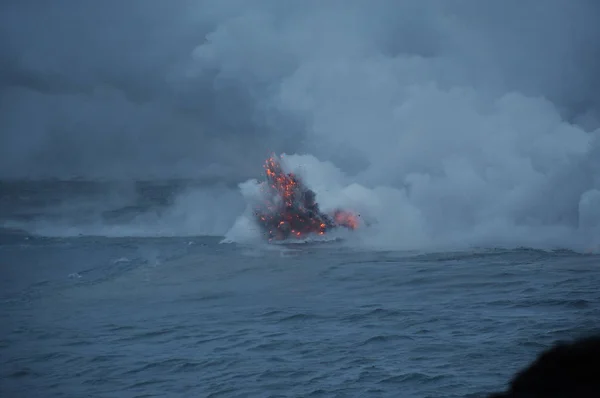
[290,208]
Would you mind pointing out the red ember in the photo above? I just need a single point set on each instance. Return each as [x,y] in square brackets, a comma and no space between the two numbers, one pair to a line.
[290,209]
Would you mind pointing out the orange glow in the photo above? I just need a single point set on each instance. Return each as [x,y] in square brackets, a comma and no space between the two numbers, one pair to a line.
[285,184]
[346,219]
[290,209]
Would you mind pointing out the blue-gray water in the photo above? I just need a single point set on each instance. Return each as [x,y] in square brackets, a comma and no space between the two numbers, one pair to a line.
[189,317]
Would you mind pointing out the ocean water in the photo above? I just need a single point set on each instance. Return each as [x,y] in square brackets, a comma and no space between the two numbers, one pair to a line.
[127,316]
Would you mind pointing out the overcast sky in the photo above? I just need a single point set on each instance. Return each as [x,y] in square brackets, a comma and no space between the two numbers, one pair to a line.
[156,88]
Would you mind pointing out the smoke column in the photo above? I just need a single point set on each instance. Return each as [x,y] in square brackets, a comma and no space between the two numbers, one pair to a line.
[450,123]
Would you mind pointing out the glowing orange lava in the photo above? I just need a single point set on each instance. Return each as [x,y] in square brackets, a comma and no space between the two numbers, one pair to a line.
[290,209]
[345,218]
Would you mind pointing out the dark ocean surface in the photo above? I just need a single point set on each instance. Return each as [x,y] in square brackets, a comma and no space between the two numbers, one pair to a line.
[93,316]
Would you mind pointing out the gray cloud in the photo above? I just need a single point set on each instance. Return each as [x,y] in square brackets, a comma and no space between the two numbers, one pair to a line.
[153,89]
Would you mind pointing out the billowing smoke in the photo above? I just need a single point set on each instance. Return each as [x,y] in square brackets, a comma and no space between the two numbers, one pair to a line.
[283,207]
[449,122]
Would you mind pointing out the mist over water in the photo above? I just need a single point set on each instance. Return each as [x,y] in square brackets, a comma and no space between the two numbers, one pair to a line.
[445,123]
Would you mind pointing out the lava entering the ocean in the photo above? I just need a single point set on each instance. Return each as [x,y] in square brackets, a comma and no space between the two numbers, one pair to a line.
[290,209]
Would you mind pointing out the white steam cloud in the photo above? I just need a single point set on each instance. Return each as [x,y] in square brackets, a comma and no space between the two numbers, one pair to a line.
[448,123]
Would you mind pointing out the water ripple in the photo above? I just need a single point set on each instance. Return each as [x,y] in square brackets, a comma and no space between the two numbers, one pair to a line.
[324,325]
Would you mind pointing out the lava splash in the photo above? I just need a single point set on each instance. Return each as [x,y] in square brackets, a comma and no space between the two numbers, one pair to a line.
[290,209]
